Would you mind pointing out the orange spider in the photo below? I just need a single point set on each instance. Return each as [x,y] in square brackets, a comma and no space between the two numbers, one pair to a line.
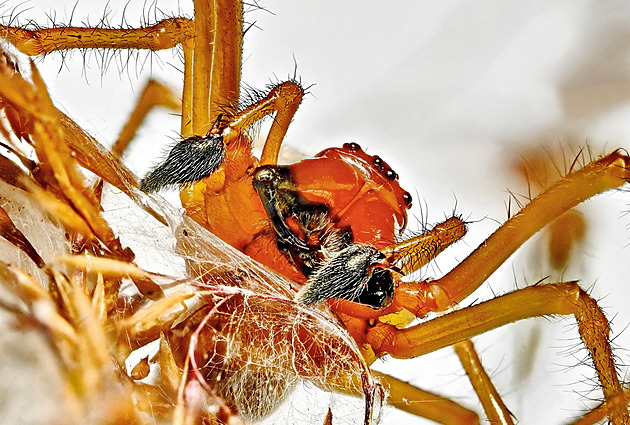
[349,189]
[289,212]
[270,226]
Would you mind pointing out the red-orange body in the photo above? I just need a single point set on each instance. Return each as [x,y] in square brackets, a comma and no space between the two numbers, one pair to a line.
[361,192]
[358,192]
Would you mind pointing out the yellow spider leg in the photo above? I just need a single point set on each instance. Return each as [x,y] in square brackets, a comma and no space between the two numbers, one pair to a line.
[201,66]
[413,253]
[408,256]
[287,103]
[163,35]
[216,62]
[561,298]
[540,168]
[166,34]
[283,100]
[496,411]
[604,409]
[218,46]
[215,36]
[226,56]
[419,402]
[154,94]
[188,46]
[607,173]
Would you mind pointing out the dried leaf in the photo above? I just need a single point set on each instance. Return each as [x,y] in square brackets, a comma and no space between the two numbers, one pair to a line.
[17,238]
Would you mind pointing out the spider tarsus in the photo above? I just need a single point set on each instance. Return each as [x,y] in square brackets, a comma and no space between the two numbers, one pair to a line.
[189,161]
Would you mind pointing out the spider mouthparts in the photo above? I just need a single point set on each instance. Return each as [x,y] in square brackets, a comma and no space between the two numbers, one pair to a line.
[351,275]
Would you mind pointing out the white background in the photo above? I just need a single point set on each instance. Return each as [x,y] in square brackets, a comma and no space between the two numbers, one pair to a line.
[449,93]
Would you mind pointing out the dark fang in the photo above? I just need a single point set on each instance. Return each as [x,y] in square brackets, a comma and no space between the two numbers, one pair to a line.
[267,180]
[189,161]
[351,275]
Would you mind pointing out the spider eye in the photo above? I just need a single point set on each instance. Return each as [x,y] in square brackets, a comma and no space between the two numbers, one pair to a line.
[391,174]
[407,199]
[352,147]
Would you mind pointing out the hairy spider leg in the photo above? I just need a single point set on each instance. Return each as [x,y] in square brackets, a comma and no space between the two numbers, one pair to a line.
[560,298]
[604,409]
[426,404]
[494,407]
[283,100]
[214,57]
[215,35]
[212,71]
[606,173]
[153,94]
[166,34]
[411,254]
[539,169]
